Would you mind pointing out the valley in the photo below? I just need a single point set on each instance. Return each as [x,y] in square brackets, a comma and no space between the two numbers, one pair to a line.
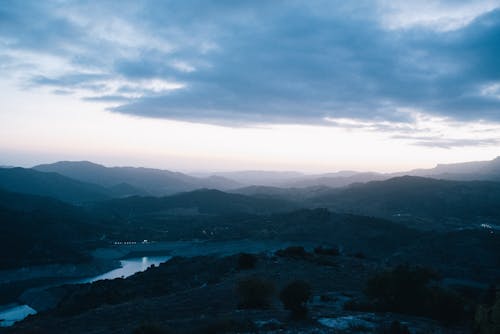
[108,252]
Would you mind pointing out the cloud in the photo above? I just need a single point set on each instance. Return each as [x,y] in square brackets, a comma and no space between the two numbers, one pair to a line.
[456,142]
[268,62]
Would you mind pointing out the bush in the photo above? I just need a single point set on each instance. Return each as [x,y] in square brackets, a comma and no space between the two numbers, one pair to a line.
[150,329]
[487,318]
[359,255]
[394,328]
[246,261]
[408,290]
[292,251]
[332,251]
[219,326]
[255,293]
[294,298]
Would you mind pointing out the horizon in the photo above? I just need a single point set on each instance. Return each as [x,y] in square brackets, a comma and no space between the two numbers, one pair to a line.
[306,86]
[202,173]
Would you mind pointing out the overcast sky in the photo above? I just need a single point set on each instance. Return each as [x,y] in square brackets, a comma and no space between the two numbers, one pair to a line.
[224,85]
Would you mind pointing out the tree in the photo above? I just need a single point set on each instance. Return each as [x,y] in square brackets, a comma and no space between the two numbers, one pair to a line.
[294,298]
[487,318]
[255,293]
[246,261]
[414,291]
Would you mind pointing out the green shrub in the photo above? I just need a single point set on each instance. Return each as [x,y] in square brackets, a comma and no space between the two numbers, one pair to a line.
[150,329]
[409,290]
[332,251]
[255,293]
[224,325]
[294,298]
[487,318]
[292,251]
[394,328]
[246,261]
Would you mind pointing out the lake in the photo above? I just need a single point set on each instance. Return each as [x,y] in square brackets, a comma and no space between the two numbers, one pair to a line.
[128,267]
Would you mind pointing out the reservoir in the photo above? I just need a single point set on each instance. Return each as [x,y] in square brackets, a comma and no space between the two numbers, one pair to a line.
[128,267]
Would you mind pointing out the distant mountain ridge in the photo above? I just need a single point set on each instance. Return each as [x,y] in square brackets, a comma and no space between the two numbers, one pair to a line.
[201,201]
[416,197]
[41,230]
[30,181]
[146,181]
[258,177]
[79,182]
[464,171]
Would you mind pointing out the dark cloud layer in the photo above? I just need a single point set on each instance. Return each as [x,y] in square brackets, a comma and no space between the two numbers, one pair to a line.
[262,61]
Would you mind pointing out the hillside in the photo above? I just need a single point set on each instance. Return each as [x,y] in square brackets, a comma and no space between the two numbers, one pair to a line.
[465,171]
[40,230]
[53,185]
[417,197]
[155,182]
[204,201]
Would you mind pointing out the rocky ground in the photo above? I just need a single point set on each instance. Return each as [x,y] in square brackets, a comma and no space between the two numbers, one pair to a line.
[199,295]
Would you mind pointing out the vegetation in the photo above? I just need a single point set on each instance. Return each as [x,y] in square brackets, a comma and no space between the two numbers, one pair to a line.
[150,329]
[395,328]
[294,297]
[332,251]
[246,261]
[293,251]
[414,291]
[225,325]
[198,292]
[38,230]
[487,317]
[417,197]
[255,293]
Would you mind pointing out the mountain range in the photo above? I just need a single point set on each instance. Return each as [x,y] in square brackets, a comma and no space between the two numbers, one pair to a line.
[136,181]
[466,171]
[85,201]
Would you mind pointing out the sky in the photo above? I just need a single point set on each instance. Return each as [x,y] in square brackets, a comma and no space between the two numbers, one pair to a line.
[313,86]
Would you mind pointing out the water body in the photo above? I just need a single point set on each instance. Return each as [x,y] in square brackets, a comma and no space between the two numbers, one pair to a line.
[14,313]
[129,267]
[10,315]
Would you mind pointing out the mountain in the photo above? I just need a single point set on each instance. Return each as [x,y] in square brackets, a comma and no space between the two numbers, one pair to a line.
[261,178]
[290,194]
[155,182]
[203,201]
[128,181]
[34,182]
[337,180]
[465,171]
[417,198]
[41,230]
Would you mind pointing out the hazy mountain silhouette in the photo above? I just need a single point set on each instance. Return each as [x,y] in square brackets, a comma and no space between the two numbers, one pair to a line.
[203,201]
[53,185]
[416,197]
[150,181]
[256,177]
[297,194]
[127,181]
[465,171]
[40,230]
[336,180]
